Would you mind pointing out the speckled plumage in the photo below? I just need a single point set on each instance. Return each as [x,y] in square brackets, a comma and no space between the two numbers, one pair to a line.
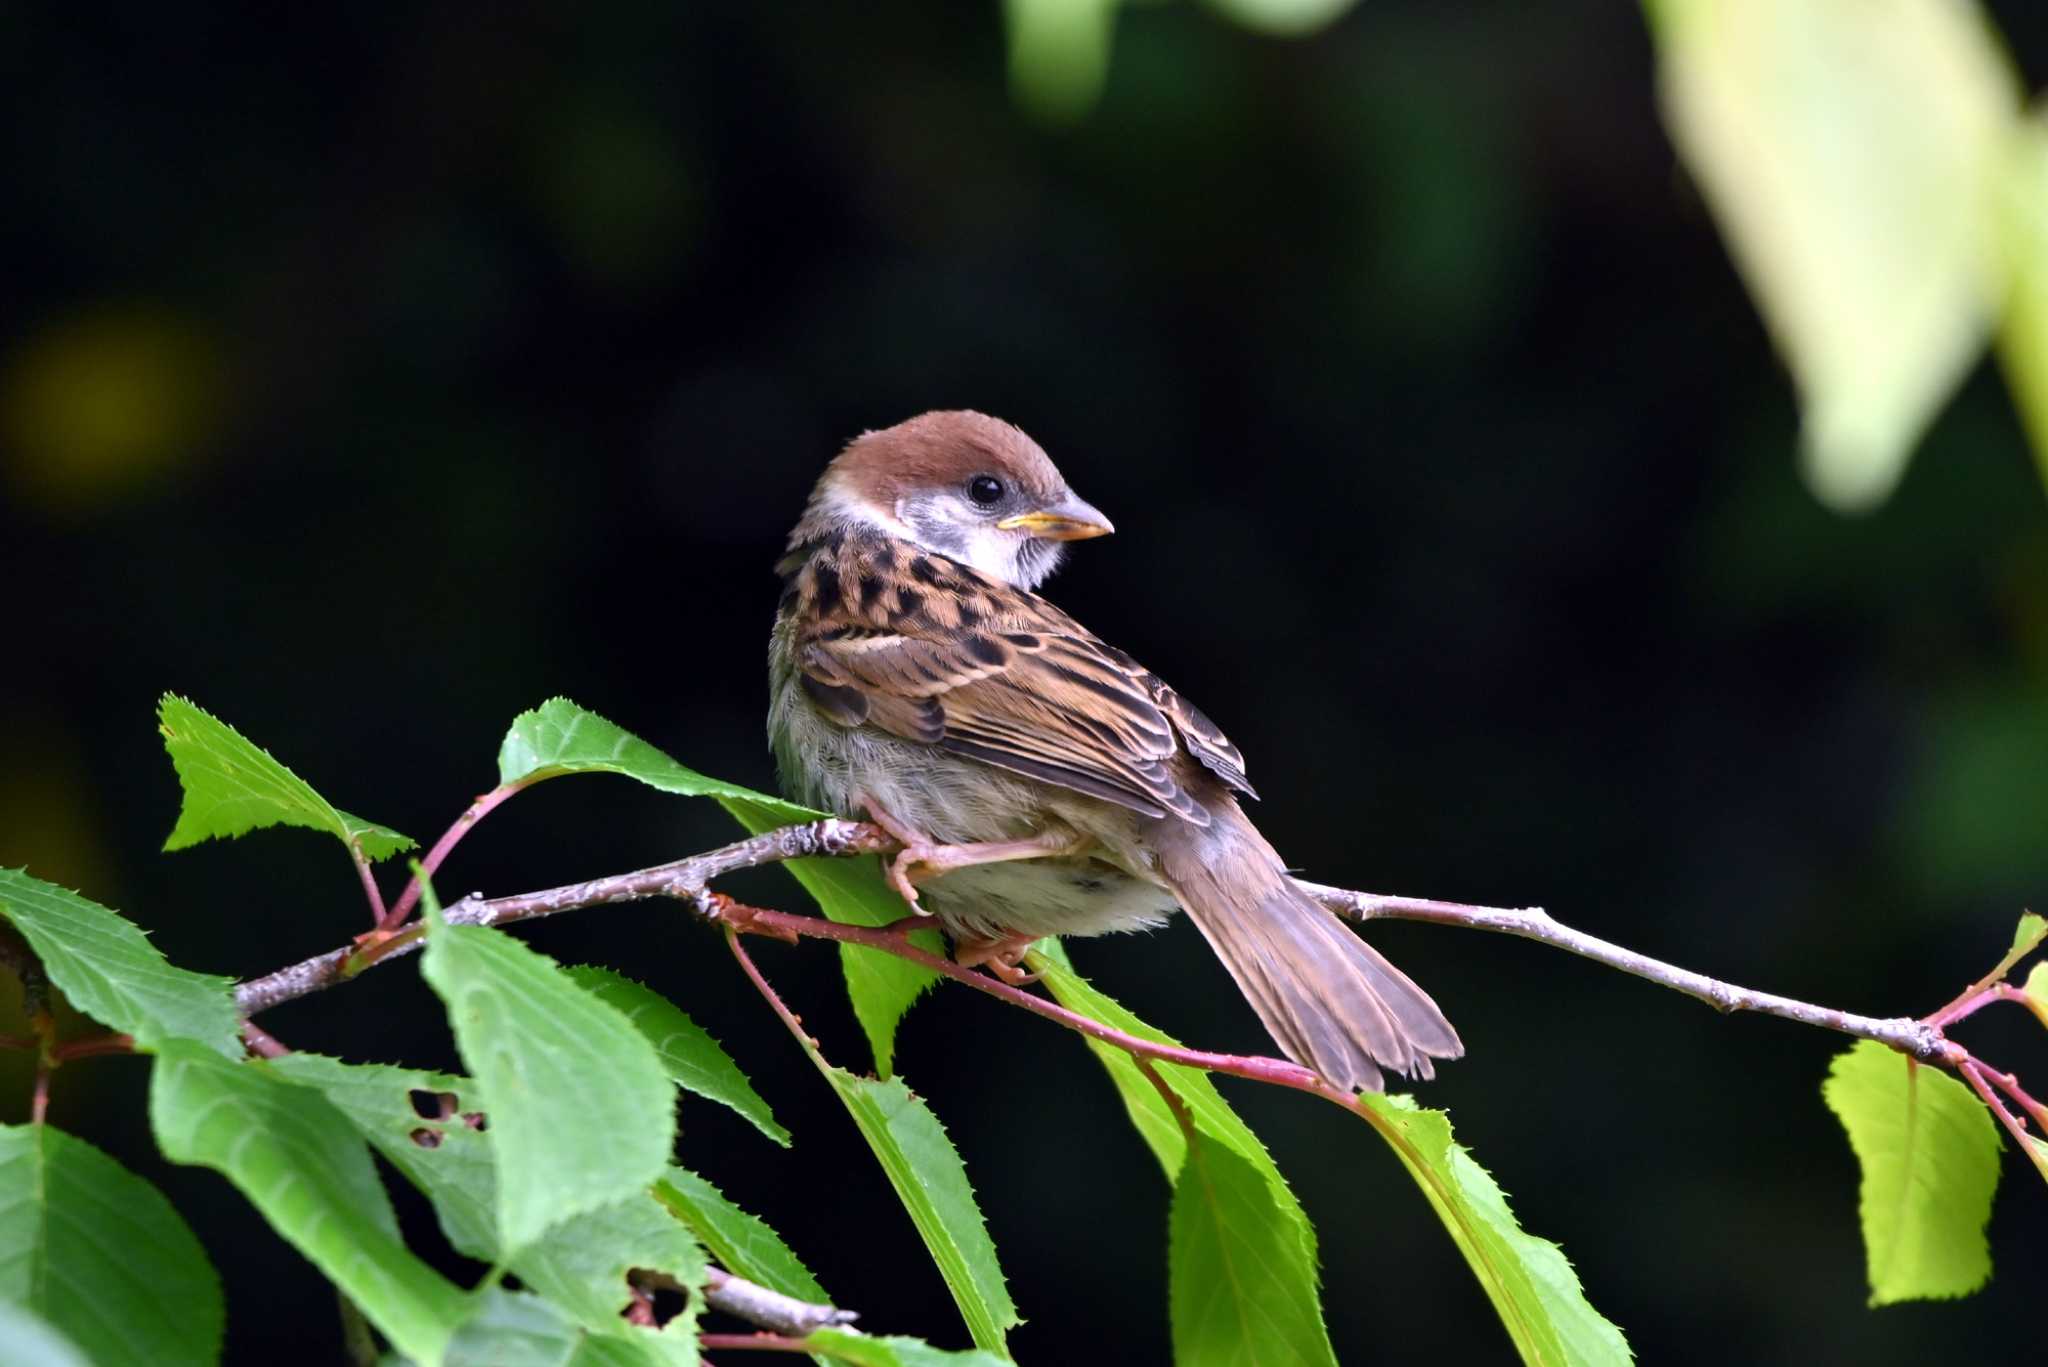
[912,669]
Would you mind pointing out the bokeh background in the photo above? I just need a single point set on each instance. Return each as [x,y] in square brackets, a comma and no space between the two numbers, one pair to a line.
[371,374]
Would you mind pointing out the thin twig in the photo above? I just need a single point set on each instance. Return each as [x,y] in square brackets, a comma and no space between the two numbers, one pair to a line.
[430,865]
[1915,1038]
[371,891]
[771,1343]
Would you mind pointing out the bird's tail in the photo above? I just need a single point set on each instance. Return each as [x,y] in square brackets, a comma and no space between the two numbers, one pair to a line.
[1328,998]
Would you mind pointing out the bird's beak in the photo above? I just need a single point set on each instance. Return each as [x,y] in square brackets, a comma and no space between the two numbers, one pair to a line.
[1067,520]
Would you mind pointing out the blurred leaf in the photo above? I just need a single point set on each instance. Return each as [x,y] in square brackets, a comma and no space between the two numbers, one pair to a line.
[1242,1287]
[233,787]
[2023,340]
[513,1329]
[101,1255]
[1059,55]
[447,1159]
[1929,1154]
[741,1243]
[851,1346]
[931,1182]
[2036,989]
[691,1057]
[301,1164]
[558,737]
[27,1340]
[1284,18]
[1532,1286]
[581,1113]
[1849,149]
[880,986]
[107,968]
[99,403]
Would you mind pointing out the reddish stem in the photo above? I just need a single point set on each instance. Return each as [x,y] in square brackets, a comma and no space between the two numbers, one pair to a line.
[262,1042]
[369,880]
[477,811]
[769,1343]
[23,1042]
[94,1045]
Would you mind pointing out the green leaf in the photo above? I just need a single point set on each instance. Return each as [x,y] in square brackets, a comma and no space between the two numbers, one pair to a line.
[1276,1210]
[100,1254]
[447,1158]
[2023,341]
[233,786]
[299,1162]
[851,1346]
[1532,1286]
[581,1113]
[1850,151]
[580,1269]
[693,1060]
[513,1329]
[558,737]
[1242,1289]
[1929,1154]
[26,1340]
[2032,929]
[107,968]
[742,1244]
[931,1182]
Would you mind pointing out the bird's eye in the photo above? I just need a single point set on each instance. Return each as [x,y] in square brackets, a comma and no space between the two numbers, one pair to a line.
[986,490]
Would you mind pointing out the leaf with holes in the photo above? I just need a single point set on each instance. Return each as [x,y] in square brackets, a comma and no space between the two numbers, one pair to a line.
[233,786]
[301,1165]
[558,737]
[1242,1290]
[1929,1154]
[580,1266]
[1531,1284]
[424,1124]
[581,1113]
[931,1182]
[859,1350]
[742,1244]
[693,1059]
[514,1329]
[107,968]
[100,1254]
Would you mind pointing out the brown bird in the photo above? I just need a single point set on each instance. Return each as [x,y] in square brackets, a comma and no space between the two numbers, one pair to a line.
[1042,781]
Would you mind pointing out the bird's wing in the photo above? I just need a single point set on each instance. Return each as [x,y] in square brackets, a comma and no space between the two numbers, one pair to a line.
[938,654]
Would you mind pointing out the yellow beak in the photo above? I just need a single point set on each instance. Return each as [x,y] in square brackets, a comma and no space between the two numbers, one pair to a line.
[1068,520]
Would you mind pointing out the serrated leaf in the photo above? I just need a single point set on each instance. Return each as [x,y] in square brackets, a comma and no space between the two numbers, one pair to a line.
[101,1255]
[693,1060]
[1531,1284]
[302,1166]
[234,786]
[742,1244]
[27,1340]
[1929,1154]
[1241,1289]
[107,968]
[1849,150]
[880,986]
[558,737]
[581,1113]
[579,1267]
[454,1167]
[931,1182]
[858,1349]
[1211,1115]
[514,1329]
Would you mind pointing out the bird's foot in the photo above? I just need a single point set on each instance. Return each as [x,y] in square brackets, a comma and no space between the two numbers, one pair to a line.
[923,858]
[999,955]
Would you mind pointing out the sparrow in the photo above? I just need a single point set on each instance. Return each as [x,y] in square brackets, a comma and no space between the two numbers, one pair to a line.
[1041,781]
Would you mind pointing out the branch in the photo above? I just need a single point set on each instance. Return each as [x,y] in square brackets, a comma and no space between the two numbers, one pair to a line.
[687,879]
[1917,1039]
[756,1304]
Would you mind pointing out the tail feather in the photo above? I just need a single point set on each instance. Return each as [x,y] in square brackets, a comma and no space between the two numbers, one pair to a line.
[1330,1000]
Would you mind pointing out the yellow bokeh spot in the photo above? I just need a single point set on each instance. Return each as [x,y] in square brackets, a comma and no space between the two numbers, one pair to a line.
[95,404]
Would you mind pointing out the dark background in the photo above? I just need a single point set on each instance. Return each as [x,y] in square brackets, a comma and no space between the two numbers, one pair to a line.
[370,376]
